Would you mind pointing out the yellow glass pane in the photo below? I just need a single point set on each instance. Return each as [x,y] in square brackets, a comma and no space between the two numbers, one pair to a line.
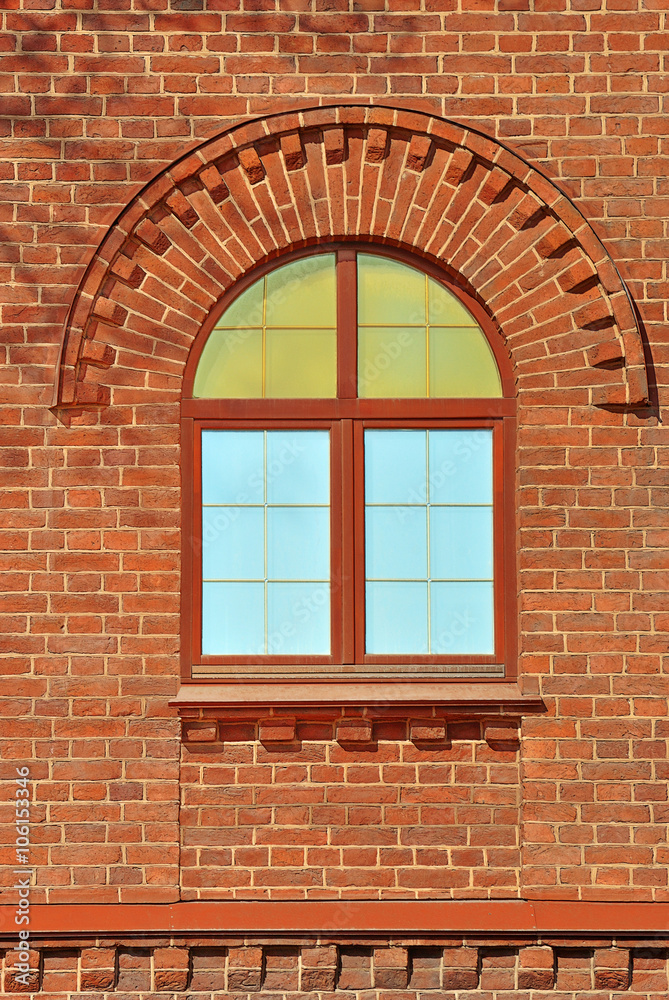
[246,310]
[445,309]
[462,364]
[392,362]
[301,363]
[302,293]
[230,365]
[389,293]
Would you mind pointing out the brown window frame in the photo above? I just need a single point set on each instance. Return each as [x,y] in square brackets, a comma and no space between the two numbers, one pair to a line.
[347,416]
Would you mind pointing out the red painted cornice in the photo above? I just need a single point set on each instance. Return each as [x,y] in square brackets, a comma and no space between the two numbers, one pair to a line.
[340,919]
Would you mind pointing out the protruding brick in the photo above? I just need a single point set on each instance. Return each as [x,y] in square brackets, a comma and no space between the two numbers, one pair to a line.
[335,145]
[182,208]
[90,394]
[607,353]
[110,311]
[418,152]
[461,969]
[293,154]
[94,352]
[577,274]
[278,729]
[200,732]
[214,184]
[131,274]
[613,970]
[354,730]
[152,237]
[377,140]
[502,731]
[244,970]
[251,164]
[427,730]
[391,968]
[556,239]
[493,186]
[170,968]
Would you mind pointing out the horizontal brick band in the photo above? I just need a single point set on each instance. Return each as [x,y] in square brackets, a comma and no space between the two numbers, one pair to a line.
[559,921]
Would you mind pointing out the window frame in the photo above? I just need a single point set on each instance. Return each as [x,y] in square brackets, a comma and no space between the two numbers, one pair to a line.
[348,416]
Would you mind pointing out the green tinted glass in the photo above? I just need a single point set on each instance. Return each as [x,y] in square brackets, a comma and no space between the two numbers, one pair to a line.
[416,338]
[389,293]
[462,364]
[392,362]
[302,293]
[230,365]
[277,339]
[301,363]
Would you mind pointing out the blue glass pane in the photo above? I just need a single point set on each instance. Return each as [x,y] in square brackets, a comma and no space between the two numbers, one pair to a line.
[396,543]
[298,619]
[395,466]
[462,618]
[298,467]
[232,543]
[233,619]
[298,543]
[461,543]
[461,466]
[232,467]
[396,618]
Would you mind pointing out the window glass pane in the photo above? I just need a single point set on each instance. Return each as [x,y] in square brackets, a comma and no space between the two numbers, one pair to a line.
[445,308]
[298,467]
[392,363]
[278,339]
[247,308]
[298,543]
[462,618]
[461,466]
[462,364]
[232,543]
[301,363]
[233,619]
[429,559]
[303,293]
[230,366]
[395,466]
[415,337]
[396,618]
[232,466]
[390,292]
[298,619]
[266,518]
[396,543]
[461,543]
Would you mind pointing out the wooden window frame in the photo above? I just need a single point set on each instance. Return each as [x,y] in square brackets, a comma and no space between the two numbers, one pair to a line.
[347,416]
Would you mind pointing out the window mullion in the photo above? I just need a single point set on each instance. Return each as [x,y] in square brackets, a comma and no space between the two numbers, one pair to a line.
[347,324]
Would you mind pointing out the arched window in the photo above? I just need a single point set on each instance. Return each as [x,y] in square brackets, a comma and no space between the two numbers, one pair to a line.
[351,430]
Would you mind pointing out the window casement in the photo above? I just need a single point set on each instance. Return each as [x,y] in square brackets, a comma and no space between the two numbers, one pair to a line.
[348,438]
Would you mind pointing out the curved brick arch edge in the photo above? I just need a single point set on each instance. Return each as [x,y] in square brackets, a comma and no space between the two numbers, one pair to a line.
[348,172]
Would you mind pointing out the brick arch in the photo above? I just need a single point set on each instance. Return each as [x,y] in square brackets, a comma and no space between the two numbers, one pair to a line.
[348,172]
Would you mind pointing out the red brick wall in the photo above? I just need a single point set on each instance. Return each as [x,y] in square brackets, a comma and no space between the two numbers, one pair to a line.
[318,820]
[95,103]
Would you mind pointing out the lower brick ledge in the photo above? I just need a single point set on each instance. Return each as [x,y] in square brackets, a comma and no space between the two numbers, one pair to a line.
[343,919]
[376,699]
